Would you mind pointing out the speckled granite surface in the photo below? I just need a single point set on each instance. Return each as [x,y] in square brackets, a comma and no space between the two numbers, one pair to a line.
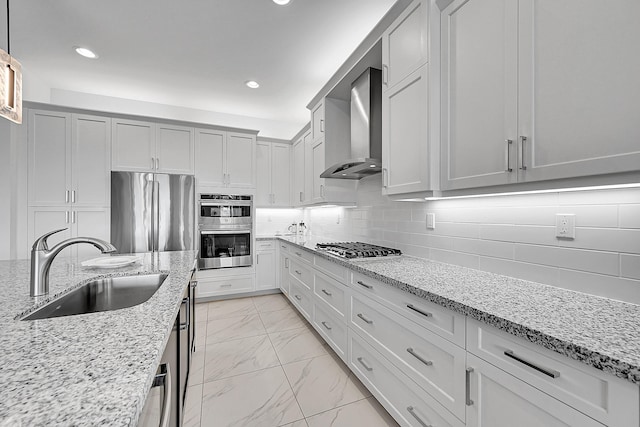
[597,331]
[84,370]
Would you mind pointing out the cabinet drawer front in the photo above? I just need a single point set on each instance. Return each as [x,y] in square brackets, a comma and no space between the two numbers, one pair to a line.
[394,390]
[301,254]
[331,292]
[332,269]
[265,245]
[599,395]
[333,330]
[301,298]
[301,272]
[283,246]
[442,321]
[434,363]
[223,286]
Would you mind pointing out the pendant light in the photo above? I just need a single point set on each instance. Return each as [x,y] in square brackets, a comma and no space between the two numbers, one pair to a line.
[10,82]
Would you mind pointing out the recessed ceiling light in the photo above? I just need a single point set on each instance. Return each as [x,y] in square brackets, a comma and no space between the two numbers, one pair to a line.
[87,53]
[372,166]
[281,2]
[252,84]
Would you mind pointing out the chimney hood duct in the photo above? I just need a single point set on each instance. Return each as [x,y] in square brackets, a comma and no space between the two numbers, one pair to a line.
[366,130]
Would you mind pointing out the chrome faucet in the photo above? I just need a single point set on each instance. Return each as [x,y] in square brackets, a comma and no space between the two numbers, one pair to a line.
[42,257]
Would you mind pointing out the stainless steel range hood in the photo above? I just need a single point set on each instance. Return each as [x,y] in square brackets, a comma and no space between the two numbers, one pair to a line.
[366,130]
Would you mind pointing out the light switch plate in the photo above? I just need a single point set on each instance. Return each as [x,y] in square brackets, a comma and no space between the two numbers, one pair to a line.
[565,226]
[431,221]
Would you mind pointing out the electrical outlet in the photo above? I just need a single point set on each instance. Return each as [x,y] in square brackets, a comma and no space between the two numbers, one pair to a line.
[565,226]
[338,219]
[431,221]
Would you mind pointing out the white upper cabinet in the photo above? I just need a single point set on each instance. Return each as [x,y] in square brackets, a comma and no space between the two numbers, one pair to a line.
[535,90]
[479,93]
[211,150]
[579,88]
[69,159]
[317,167]
[225,159]
[298,178]
[273,163]
[152,147]
[404,44]
[175,149]
[317,121]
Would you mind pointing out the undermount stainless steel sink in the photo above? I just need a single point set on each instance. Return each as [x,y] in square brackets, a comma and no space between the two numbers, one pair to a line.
[106,294]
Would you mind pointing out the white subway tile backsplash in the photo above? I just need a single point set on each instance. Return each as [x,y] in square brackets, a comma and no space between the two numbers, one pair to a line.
[600,197]
[605,239]
[576,259]
[458,258]
[630,266]
[520,270]
[630,216]
[606,286]
[456,230]
[499,232]
[484,247]
[605,216]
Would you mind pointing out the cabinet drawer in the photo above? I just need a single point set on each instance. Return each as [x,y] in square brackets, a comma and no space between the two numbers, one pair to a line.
[442,321]
[301,254]
[283,246]
[223,286]
[301,298]
[333,330]
[332,269]
[301,272]
[332,293]
[265,245]
[593,392]
[434,363]
[405,401]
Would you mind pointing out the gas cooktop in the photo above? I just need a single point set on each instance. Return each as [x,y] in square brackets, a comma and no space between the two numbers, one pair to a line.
[356,250]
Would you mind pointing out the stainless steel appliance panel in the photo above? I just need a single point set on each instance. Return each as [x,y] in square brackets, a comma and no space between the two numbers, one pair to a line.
[131,211]
[175,195]
[225,248]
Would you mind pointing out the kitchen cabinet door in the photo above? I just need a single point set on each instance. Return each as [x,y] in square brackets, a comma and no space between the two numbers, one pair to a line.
[266,270]
[309,183]
[500,399]
[479,93]
[90,222]
[578,88]
[317,167]
[45,219]
[283,265]
[49,140]
[405,137]
[133,145]
[211,151]
[404,44]
[317,121]
[174,149]
[241,160]
[91,160]
[298,171]
[280,174]
[263,174]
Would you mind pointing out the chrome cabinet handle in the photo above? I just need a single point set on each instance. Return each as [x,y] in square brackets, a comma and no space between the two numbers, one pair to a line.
[286,263]
[507,153]
[326,325]
[365,318]
[185,325]
[157,163]
[153,163]
[412,352]
[326,292]
[298,297]
[194,283]
[412,411]
[321,125]
[385,74]
[257,258]
[523,139]
[66,196]
[467,381]
[363,363]
[73,217]
[549,372]
[322,191]
[417,310]
[361,283]
[297,272]
[225,285]
[385,178]
[66,217]
[166,404]
[298,253]
[301,196]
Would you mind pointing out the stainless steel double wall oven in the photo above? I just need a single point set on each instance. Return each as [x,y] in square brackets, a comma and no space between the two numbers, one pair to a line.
[225,228]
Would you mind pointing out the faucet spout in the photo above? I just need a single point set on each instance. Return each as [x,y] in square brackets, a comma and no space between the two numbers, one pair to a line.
[42,257]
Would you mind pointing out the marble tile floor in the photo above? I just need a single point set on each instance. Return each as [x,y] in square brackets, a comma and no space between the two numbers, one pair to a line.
[258,363]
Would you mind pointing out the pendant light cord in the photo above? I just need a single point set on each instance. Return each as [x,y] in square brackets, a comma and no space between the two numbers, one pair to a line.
[8,32]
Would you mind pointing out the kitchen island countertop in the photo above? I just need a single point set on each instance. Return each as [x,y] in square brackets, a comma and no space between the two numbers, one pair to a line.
[597,331]
[90,369]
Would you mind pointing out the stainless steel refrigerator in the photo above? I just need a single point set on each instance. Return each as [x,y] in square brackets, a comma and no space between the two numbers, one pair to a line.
[152,212]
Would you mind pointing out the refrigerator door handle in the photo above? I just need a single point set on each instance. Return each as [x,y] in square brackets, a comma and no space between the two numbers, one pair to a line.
[156,215]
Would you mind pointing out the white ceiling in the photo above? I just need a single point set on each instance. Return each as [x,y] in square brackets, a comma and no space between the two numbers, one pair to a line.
[193,53]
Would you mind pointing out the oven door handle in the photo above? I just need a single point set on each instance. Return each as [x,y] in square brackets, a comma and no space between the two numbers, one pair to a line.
[239,231]
[226,203]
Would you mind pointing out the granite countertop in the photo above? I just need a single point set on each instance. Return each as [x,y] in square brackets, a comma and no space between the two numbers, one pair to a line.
[90,369]
[599,332]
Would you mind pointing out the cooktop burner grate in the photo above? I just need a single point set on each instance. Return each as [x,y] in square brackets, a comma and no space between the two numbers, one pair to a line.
[356,250]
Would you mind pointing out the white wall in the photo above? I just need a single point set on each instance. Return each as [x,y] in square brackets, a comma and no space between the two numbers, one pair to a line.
[271,222]
[511,235]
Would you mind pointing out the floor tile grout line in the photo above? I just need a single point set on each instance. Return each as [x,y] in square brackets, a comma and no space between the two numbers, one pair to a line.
[337,407]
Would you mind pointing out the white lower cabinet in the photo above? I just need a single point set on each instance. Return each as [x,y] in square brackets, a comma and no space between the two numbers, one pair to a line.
[332,329]
[407,403]
[300,296]
[212,283]
[498,399]
[265,265]
[283,267]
